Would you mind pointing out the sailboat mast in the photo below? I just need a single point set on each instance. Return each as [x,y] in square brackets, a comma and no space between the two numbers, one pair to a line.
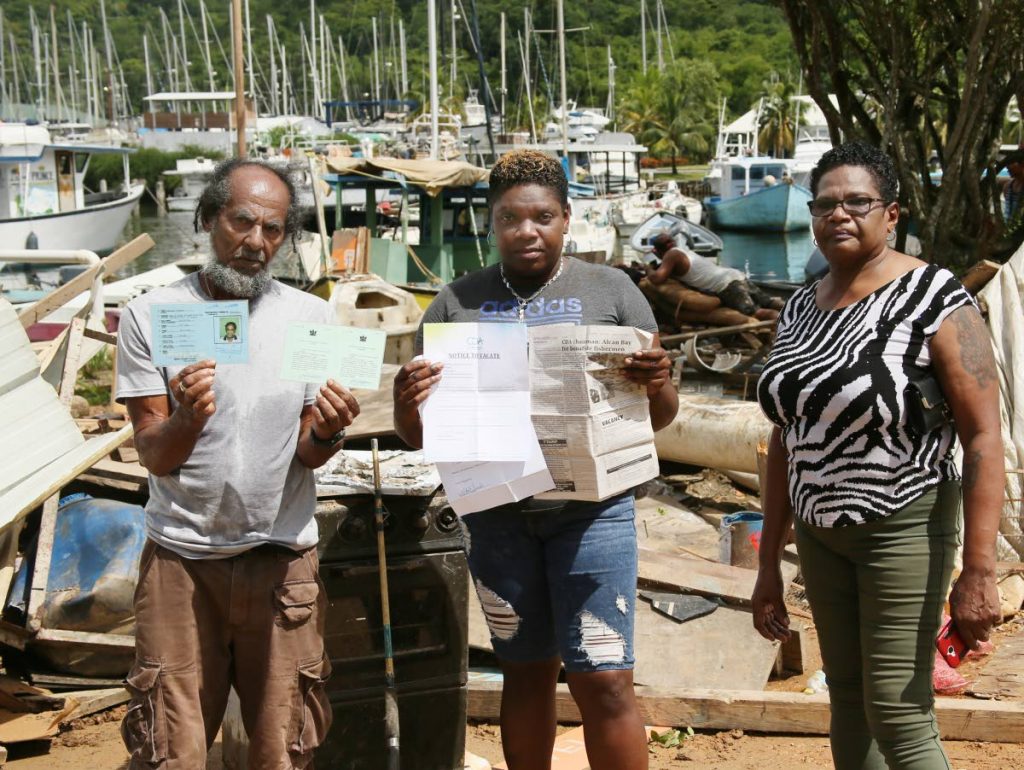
[3,62]
[529,96]
[526,42]
[236,39]
[376,62]
[87,72]
[561,78]
[344,78]
[643,34]
[610,108]
[248,59]
[149,76]
[38,60]
[312,55]
[657,18]
[57,91]
[325,70]
[432,56]
[405,63]
[110,61]
[206,47]
[454,70]
[504,84]
[273,65]
[72,65]
[14,69]
[184,45]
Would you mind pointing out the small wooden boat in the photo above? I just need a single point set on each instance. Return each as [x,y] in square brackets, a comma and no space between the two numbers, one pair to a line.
[705,242]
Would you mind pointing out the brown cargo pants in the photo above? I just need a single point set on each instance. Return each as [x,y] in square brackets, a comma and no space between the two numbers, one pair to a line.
[254,621]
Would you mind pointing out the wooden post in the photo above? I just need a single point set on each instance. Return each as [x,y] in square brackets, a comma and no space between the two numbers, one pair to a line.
[236,34]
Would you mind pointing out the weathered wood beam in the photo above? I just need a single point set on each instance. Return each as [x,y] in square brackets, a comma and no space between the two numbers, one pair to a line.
[769,712]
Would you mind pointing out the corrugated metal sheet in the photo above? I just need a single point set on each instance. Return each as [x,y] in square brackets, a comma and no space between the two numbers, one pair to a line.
[35,428]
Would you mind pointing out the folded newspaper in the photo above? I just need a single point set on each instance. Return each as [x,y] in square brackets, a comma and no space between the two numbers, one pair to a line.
[593,424]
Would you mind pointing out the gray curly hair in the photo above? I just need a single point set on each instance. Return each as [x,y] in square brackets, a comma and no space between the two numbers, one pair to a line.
[217,193]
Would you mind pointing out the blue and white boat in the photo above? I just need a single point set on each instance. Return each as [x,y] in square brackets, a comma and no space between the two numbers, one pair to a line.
[44,203]
[756,193]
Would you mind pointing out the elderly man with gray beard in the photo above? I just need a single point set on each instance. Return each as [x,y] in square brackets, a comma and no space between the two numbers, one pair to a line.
[229,591]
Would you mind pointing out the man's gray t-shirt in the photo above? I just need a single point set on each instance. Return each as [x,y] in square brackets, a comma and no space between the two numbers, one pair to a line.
[242,486]
[584,294]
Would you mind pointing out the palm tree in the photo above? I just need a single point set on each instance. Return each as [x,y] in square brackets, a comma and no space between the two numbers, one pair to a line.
[778,117]
[673,112]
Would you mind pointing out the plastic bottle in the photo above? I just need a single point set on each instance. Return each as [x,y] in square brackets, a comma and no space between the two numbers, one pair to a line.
[816,683]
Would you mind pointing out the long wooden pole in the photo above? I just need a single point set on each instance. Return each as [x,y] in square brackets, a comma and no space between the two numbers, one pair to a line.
[432,53]
[236,34]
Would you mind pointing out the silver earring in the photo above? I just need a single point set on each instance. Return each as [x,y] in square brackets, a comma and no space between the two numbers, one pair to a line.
[492,240]
[814,241]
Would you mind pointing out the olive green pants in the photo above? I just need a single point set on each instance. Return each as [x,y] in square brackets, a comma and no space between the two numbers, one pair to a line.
[877,591]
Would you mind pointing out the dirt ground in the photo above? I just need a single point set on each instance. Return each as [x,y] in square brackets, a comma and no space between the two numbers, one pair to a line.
[94,743]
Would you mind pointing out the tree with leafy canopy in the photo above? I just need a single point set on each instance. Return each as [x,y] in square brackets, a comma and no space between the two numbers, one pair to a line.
[922,80]
[674,112]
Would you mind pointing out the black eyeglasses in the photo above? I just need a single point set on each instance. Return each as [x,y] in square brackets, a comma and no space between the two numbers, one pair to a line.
[857,206]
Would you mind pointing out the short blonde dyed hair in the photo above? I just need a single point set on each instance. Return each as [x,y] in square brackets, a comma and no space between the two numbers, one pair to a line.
[521,167]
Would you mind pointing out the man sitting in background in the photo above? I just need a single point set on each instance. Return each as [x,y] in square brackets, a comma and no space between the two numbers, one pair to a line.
[728,284]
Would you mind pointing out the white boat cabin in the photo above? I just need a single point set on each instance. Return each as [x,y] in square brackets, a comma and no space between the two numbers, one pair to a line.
[742,176]
[38,178]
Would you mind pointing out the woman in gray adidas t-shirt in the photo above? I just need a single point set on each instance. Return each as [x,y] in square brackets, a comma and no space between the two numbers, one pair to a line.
[556,579]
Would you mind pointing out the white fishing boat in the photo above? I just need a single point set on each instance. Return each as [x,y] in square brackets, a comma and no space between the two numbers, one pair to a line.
[194,174]
[43,200]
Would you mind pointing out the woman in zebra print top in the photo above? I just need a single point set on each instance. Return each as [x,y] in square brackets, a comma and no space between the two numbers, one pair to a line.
[876,504]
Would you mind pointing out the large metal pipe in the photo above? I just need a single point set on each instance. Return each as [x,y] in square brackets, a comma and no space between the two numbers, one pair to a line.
[64,257]
[714,433]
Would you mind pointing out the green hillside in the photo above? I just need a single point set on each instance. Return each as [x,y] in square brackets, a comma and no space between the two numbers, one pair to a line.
[730,48]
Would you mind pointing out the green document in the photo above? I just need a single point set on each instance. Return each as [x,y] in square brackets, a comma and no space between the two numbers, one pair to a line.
[318,352]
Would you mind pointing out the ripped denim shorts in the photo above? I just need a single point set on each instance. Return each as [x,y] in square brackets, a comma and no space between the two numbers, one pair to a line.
[557,578]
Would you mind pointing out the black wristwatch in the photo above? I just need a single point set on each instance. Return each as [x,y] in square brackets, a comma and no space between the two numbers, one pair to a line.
[333,441]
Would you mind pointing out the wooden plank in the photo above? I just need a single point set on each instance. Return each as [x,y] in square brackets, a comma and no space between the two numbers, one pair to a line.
[720,650]
[91,701]
[110,468]
[33,490]
[125,486]
[8,557]
[671,572]
[41,566]
[14,636]
[69,682]
[83,281]
[96,334]
[69,373]
[769,712]
[52,636]
[793,653]
[1002,674]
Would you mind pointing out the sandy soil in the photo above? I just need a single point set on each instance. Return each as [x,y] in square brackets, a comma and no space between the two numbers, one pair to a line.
[95,744]
[737,750]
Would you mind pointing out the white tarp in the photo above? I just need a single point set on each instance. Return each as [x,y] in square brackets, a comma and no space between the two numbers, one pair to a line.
[1004,298]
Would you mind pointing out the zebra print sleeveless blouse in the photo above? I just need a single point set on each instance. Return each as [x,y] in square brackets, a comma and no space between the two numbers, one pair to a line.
[834,383]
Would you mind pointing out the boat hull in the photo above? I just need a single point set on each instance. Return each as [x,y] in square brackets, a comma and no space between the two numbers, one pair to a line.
[96,228]
[779,208]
